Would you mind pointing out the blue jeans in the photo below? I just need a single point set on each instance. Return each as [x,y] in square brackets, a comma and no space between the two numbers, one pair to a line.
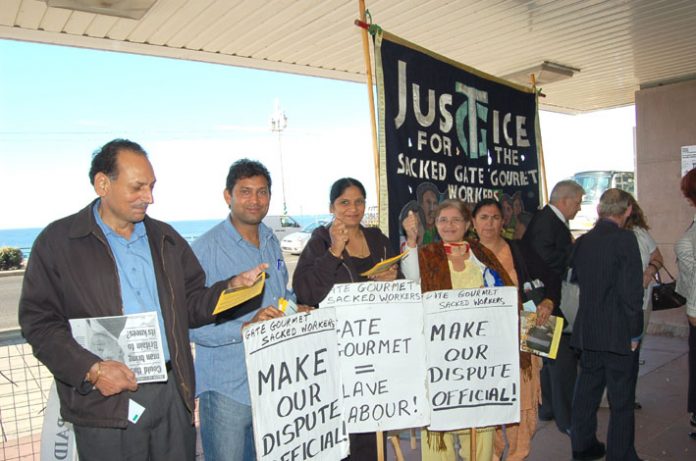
[226,428]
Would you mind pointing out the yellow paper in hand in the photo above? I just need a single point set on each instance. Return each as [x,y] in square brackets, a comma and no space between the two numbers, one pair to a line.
[384,266]
[233,297]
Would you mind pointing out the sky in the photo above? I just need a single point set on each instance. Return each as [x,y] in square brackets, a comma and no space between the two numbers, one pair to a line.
[59,104]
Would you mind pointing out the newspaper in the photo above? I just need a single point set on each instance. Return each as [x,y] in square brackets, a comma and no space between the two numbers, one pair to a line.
[133,339]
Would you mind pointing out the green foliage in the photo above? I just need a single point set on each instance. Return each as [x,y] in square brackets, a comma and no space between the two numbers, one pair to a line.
[10,258]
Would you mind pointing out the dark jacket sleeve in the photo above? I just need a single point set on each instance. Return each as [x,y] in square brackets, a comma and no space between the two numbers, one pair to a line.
[538,269]
[44,320]
[550,240]
[316,271]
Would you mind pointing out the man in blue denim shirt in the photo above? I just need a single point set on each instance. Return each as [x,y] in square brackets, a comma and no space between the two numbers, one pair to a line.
[238,243]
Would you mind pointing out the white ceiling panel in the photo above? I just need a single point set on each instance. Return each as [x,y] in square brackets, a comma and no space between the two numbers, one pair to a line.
[618,45]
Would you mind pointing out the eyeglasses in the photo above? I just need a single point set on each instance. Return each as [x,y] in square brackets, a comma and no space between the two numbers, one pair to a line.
[454,220]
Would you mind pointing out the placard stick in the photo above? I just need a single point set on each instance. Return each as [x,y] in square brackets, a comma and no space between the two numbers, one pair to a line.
[413,439]
[394,439]
[472,444]
[380,446]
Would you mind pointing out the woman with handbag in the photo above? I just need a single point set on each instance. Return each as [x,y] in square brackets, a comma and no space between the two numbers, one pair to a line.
[650,255]
[651,259]
[526,269]
[685,249]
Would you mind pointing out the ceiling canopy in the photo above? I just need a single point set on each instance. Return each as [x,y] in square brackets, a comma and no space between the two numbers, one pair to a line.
[612,47]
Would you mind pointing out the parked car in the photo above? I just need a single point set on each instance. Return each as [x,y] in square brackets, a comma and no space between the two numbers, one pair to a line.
[282,225]
[295,242]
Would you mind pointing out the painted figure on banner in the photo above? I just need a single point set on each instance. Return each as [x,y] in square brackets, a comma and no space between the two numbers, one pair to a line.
[428,198]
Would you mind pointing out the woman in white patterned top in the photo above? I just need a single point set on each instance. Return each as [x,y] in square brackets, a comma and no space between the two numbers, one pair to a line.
[685,249]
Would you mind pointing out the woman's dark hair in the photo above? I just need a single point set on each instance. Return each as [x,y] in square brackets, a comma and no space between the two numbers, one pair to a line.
[688,186]
[104,159]
[341,185]
[245,168]
[486,202]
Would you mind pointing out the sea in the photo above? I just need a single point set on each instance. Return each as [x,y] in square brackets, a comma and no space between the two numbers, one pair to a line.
[190,230]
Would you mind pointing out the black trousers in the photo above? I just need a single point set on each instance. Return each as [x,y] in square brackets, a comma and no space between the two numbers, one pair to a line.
[363,446]
[616,372]
[557,384]
[164,432]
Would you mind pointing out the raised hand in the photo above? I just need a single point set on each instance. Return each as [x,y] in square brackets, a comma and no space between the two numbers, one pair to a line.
[339,237]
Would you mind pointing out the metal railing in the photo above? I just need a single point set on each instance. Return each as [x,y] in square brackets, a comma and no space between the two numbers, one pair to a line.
[24,386]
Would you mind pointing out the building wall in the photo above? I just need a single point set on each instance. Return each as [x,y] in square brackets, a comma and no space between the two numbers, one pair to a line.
[665,121]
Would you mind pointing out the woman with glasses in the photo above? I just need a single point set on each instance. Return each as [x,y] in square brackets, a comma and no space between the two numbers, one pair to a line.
[451,263]
[339,253]
[526,269]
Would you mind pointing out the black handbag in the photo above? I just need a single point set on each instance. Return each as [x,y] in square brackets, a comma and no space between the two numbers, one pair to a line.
[664,295]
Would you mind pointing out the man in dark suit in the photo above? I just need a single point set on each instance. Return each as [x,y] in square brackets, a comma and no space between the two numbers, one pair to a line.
[550,237]
[607,331]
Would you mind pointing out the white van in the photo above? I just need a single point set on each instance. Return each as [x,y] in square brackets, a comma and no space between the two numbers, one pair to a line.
[281,225]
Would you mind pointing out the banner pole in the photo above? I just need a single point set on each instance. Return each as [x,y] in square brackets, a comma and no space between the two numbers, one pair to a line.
[370,94]
[542,163]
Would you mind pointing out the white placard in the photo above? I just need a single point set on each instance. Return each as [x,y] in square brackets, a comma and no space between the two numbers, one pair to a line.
[381,351]
[688,159]
[57,435]
[132,339]
[296,401]
[473,357]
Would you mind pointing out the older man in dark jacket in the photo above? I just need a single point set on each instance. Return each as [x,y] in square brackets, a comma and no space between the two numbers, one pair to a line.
[607,330]
[110,259]
[549,235]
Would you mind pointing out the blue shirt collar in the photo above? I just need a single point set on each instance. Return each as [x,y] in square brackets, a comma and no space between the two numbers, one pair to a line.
[265,232]
[139,230]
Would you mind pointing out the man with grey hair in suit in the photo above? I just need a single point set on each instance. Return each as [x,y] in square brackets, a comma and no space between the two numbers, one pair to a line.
[607,330]
[549,235]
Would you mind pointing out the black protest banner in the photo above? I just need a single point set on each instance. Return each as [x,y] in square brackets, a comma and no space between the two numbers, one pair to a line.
[450,131]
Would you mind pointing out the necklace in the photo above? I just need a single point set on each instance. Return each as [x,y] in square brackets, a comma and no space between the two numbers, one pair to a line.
[357,246]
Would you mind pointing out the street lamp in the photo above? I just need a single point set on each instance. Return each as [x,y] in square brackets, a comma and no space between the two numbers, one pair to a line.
[278,123]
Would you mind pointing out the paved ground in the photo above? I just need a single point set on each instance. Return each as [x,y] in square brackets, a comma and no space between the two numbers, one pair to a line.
[661,425]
